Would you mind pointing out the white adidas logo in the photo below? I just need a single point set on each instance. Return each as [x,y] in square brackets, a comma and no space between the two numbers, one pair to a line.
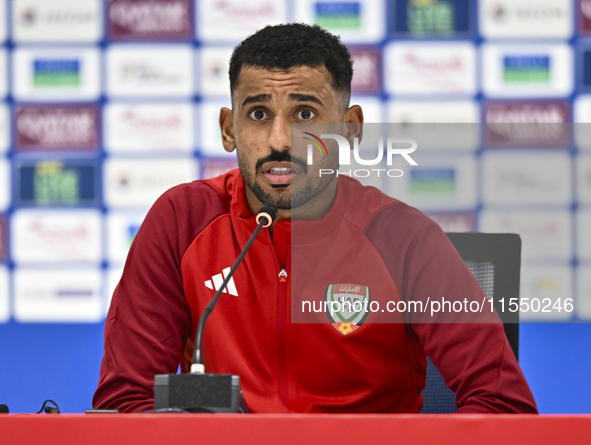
[218,280]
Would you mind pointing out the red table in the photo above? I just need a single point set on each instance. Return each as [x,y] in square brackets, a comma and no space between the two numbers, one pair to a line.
[300,429]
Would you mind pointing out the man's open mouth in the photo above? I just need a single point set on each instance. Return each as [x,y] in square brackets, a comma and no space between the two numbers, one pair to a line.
[280,173]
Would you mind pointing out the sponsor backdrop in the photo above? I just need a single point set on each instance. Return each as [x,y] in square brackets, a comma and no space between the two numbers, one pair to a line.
[106,104]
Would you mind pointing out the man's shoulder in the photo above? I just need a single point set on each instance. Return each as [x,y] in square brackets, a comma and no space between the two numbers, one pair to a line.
[384,210]
[405,221]
[190,193]
[216,192]
[187,209]
[181,213]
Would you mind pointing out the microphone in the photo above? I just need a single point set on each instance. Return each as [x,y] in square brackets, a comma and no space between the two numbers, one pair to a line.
[268,214]
[4,409]
[197,391]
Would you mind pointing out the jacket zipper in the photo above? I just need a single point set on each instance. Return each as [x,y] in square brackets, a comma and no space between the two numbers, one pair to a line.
[282,276]
[282,340]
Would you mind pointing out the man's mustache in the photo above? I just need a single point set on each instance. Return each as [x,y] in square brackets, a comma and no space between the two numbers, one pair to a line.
[282,156]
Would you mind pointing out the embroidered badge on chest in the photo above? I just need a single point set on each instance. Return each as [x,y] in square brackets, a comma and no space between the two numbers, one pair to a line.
[347,306]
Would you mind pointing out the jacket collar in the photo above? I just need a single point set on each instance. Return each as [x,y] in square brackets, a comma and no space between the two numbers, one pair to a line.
[306,231]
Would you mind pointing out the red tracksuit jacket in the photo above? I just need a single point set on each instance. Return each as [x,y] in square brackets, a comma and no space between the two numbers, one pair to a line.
[195,231]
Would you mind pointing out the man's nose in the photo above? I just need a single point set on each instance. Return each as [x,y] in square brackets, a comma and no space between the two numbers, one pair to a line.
[280,133]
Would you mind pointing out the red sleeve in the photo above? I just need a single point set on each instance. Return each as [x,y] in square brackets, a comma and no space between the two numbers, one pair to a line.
[475,359]
[149,318]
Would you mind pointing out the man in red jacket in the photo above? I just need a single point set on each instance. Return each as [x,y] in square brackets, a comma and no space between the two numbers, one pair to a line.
[357,243]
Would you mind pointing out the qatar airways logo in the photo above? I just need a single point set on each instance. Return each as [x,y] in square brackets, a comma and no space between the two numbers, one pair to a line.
[402,147]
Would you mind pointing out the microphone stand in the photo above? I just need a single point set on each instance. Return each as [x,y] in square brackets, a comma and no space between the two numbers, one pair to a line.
[198,391]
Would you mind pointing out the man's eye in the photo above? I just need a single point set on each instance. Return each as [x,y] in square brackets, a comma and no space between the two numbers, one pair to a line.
[306,114]
[258,115]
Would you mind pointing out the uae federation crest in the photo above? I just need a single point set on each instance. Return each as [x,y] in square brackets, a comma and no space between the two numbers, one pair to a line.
[347,306]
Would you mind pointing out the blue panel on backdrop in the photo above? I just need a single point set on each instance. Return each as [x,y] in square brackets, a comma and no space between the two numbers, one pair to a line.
[586,69]
[437,18]
[556,359]
[57,183]
[59,362]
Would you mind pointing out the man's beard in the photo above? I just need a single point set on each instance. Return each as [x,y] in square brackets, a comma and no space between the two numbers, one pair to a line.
[282,198]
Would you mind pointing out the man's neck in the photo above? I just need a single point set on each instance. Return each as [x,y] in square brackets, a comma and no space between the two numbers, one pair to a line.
[315,208]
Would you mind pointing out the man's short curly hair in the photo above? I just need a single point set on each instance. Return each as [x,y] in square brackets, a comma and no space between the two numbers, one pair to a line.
[295,44]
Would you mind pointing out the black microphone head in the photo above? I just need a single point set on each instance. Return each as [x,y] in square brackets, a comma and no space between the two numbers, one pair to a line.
[3,409]
[269,212]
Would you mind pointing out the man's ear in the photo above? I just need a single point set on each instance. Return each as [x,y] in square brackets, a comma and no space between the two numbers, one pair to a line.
[353,120]
[227,127]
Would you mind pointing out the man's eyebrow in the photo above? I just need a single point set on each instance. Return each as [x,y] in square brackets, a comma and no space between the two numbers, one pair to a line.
[257,98]
[293,97]
[305,98]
